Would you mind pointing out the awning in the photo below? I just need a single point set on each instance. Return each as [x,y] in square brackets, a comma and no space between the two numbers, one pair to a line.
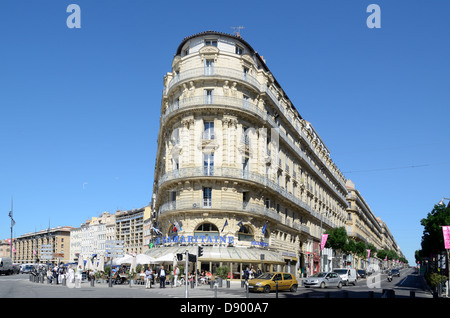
[222,254]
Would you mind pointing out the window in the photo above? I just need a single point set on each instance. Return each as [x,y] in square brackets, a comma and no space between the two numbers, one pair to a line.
[208,130]
[209,96]
[245,233]
[245,167]
[186,52]
[239,50]
[211,42]
[246,102]
[208,164]
[206,229]
[245,73]
[173,199]
[267,203]
[209,67]
[207,197]
[244,199]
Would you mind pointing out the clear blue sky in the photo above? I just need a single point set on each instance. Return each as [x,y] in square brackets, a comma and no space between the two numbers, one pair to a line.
[79,108]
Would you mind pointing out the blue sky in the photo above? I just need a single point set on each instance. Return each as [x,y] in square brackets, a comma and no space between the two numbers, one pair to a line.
[79,108]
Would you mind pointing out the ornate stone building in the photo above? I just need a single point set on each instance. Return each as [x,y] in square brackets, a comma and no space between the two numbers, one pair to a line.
[238,170]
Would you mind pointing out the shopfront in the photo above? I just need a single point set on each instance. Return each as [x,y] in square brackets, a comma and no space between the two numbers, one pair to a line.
[236,258]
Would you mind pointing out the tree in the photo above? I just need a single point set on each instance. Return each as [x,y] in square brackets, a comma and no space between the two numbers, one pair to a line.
[433,239]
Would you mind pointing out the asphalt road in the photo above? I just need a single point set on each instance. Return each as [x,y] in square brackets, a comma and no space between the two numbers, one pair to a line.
[20,286]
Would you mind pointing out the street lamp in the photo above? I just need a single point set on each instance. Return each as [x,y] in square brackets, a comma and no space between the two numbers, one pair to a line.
[12,224]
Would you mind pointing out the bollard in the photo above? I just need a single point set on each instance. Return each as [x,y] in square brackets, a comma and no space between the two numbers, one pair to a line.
[92,282]
[246,289]
[228,284]
[211,284]
[192,284]
[242,283]
[220,282]
[215,290]
[64,281]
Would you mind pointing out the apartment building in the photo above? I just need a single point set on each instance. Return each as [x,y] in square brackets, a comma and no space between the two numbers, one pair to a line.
[238,170]
[45,246]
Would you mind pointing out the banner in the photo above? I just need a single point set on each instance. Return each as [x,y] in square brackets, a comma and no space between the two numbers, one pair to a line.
[446,232]
[324,241]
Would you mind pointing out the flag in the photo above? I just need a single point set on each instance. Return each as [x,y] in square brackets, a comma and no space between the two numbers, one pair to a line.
[178,226]
[264,228]
[156,230]
[226,223]
[241,227]
[368,253]
[324,241]
[385,258]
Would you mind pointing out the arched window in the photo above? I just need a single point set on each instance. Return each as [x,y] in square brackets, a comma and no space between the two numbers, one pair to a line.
[245,233]
[206,229]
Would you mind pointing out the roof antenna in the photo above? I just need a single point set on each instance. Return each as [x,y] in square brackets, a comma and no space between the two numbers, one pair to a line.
[237,30]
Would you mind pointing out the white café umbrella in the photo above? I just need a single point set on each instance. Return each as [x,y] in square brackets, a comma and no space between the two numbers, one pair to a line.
[167,258]
[133,265]
[127,259]
[80,262]
[89,265]
[144,259]
[101,264]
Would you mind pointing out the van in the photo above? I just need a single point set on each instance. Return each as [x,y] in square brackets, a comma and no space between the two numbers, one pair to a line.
[348,275]
[6,266]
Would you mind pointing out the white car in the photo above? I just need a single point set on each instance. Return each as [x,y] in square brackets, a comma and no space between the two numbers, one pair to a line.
[323,280]
[348,275]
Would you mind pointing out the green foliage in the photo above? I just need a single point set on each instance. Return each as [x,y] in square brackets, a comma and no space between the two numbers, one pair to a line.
[222,272]
[432,239]
[337,238]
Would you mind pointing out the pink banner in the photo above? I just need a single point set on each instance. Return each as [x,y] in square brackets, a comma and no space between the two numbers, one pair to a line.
[368,253]
[446,232]
[324,241]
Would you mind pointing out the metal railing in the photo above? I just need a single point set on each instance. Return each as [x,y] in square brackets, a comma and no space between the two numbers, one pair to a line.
[235,173]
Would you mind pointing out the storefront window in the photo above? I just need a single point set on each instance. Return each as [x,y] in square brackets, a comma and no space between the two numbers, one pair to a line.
[245,234]
[207,229]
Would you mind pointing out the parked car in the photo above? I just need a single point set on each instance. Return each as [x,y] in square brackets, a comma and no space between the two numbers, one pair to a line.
[322,280]
[348,275]
[26,269]
[267,282]
[361,273]
[395,272]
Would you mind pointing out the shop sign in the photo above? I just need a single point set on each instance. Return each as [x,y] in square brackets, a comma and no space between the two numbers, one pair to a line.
[262,244]
[198,239]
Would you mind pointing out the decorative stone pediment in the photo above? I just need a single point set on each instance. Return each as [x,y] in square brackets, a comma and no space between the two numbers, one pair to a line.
[209,52]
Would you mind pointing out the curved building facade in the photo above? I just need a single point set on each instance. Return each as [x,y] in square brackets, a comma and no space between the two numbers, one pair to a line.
[238,170]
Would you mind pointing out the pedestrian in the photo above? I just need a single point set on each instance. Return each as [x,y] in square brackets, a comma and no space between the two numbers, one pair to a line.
[61,273]
[176,272]
[78,277]
[70,275]
[162,277]
[148,278]
[55,273]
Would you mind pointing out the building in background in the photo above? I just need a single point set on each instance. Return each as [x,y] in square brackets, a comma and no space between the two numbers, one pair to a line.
[45,246]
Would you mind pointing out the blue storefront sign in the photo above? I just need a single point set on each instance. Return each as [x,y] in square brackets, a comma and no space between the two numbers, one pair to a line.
[200,239]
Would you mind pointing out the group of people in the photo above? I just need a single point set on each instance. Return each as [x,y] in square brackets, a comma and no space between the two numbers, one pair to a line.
[58,273]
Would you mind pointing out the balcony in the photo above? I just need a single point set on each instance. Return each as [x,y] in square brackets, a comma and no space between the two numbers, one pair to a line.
[225,72]
[234,173]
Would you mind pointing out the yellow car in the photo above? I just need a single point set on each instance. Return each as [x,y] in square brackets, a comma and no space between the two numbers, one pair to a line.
[267,282]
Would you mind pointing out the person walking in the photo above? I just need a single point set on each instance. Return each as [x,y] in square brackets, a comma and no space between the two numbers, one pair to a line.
[148,278]
[162,277]
[176,272]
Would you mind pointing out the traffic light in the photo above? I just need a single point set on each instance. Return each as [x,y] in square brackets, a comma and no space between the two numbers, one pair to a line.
[179,256]
[200,251]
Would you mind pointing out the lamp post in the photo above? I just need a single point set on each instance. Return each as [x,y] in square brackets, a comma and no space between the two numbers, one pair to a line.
[12,224]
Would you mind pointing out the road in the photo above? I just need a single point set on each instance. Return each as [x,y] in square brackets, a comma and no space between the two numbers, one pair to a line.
[19,286]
